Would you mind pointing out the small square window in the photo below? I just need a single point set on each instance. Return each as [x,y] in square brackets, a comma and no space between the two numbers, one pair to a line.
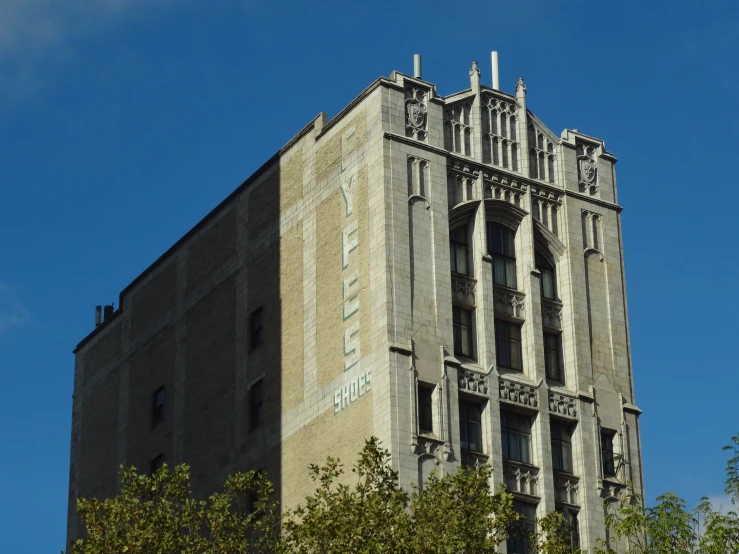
[425,411]
[156,464]
[256,328]
[256,401]
[157,407]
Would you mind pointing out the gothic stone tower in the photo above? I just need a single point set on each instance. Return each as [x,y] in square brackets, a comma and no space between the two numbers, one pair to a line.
[442,272]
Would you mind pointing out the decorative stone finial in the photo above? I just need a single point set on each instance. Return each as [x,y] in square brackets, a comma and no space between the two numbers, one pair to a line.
[520,86]
[475,76]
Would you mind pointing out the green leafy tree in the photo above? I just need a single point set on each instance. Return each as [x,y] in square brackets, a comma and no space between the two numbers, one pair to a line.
[157,514]
[458,513]
[553,536]
[369,516]
[721,530]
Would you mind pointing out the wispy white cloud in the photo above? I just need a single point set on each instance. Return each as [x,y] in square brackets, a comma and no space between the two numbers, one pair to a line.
[722,503]
[13,312]
[37,34]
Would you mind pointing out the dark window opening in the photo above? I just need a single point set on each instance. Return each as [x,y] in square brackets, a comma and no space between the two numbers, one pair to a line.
[508,345]
[606,446]
[256,328]
[502,247]
[548,281]
[521,531]
[516,431]
[157,407]
[463,338]
[256,394]
[553,361]
[570,527]
[425,410]
[470,425]
[459,251]
[561,447]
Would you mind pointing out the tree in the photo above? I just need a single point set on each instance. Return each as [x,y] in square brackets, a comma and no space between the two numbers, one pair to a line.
[669,528]
[157,514]
[453,514]
[458,513]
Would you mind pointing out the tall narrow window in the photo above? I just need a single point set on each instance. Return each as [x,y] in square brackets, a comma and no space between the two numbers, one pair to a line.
[548,282]
[463,339]
[256,401]
[553,357]
[425,411]
[606,446]
[157,407]
[521,530]
[561,447]
[502,247]
[516,430]
[508,345]
[470,425]
[459,249]
[570,528]
[256,328]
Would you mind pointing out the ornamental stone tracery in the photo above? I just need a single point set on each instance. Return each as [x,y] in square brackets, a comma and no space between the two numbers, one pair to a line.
[500,145]
[526,395]
[416,113]
[509,302]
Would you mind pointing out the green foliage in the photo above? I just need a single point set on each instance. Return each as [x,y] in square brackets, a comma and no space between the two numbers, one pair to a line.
[458,513]
[156,514]
[668,528]
[367,517]
[553,536]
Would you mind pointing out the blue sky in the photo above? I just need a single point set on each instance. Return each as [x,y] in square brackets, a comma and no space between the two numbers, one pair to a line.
[123,122]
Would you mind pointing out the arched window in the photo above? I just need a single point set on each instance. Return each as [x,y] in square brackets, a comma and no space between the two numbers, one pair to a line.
[458,247]
[502,247]
[548,278]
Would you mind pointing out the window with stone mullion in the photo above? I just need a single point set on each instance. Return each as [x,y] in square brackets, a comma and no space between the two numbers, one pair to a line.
[502,248]
[508,349]
[516,435]
[470,425]
[561,447]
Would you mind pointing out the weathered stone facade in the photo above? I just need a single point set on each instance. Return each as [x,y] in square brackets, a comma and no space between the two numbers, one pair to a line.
[343,240]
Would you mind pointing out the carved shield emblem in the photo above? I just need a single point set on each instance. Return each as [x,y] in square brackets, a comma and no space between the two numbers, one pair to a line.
[416,113]
[587,170]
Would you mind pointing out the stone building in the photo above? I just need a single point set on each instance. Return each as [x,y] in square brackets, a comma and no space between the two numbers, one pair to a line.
[442,272]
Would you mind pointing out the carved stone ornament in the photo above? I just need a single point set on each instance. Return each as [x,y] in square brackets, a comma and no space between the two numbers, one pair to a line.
[509,302]
[566,488]
[551,312]
[416,114]
[611,491]
[473,382]
[421,446]
[562,404]
[521,479]
[587,168]
[464,289]
[526,395]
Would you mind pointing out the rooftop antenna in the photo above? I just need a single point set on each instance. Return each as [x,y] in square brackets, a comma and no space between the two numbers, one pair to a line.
[494,60]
